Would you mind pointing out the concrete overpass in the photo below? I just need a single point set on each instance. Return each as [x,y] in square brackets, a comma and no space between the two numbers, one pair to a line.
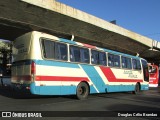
[20,16]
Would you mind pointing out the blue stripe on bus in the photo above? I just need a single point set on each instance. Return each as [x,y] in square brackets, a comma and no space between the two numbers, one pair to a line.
[120,88]
[47,63]
[92,89]
[67,41]
[52,90]
[95,78]
[145,87]
[71,90]
[56,63]
[124,88]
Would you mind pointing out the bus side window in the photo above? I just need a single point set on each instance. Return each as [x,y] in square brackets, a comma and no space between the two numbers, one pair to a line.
[154,70]
[113,60]
[48,49]
[110,60]
[84,55]
[116,61]
[126,62]
[129,64]
[102,58]
[74,54]
[95,58]
[145,70]
[61,51]
[136,64]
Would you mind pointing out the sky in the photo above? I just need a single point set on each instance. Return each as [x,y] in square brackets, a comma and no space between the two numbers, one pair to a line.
[140,16]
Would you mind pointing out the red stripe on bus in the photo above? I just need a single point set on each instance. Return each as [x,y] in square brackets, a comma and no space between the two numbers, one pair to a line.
[89,46]
[111,77]
[60,78]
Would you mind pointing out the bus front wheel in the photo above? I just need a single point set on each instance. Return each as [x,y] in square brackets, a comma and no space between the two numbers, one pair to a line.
[82,91]
[137,88]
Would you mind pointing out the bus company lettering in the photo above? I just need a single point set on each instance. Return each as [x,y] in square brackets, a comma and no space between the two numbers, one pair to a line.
[130,74]
[21,48]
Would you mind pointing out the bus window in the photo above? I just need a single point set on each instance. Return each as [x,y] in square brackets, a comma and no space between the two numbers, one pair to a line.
[145,70]
[113,60]
[129,64]
[116,61]
[153,75]
[95,58]
[48,49]
[84,55]
[61,51]
[126,63]
[78,54]
[110,60]
[74,54]
[152,69]
[136,64]
[98,58]
[102,58]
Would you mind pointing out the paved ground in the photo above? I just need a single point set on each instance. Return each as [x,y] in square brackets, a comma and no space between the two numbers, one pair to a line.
[105,105]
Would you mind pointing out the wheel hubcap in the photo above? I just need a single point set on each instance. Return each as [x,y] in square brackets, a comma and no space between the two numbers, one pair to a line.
[82,91]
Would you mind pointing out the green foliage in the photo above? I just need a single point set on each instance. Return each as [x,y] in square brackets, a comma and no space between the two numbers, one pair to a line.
[4,46]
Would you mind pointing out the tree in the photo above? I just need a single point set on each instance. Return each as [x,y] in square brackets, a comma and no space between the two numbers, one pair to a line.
[5,55]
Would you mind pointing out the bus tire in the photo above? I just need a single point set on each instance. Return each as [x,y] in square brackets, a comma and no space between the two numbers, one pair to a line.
[137,89]
[82,91]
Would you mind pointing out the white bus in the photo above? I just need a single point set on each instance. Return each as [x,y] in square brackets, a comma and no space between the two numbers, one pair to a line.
[48,65]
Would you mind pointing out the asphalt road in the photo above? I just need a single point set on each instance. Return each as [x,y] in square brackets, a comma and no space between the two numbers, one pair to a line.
[108,105]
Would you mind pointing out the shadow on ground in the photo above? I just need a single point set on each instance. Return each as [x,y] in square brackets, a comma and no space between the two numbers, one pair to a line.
[10,93]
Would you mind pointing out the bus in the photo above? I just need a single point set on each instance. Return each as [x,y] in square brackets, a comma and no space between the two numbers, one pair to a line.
[47,65]
[153,75]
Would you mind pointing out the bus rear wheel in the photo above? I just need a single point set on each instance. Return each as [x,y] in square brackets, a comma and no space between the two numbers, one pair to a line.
[137,88]
[82,91]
